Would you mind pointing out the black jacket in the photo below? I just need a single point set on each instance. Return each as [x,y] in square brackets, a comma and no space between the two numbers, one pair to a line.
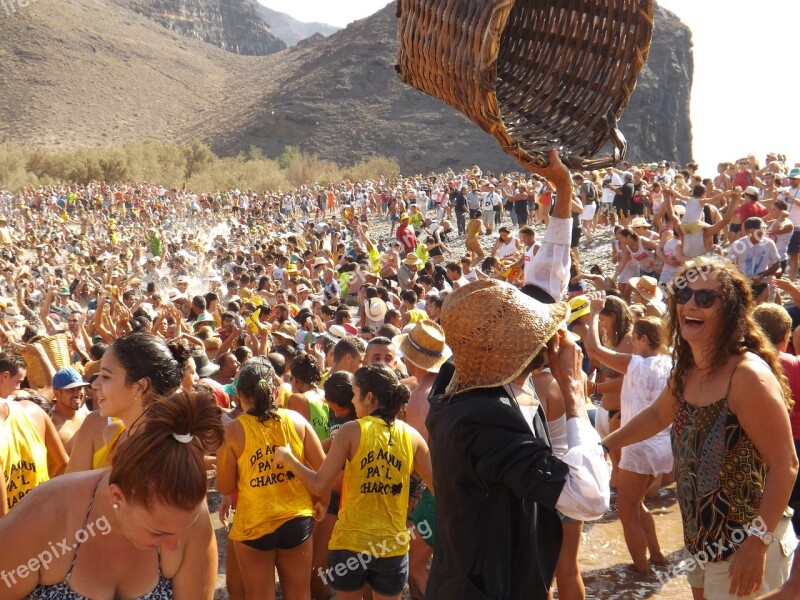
[497,532]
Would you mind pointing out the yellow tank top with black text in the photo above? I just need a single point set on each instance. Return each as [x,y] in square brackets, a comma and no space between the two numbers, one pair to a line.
[23,455]
[269,494]
[372,517]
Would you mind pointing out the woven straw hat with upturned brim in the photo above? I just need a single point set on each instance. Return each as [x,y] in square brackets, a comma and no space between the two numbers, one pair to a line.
[424,346]
[494,331]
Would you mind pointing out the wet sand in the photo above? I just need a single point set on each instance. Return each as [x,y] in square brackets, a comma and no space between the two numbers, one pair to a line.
[605,562]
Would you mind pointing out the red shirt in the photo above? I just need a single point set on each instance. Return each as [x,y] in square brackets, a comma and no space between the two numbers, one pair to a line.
[791,368]
[751,209]
[406,236]
[742,179]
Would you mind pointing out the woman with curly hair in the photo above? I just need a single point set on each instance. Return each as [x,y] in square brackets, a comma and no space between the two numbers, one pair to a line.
[728,403]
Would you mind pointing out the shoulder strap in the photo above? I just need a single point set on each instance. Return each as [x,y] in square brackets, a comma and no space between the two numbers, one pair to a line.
[83,527]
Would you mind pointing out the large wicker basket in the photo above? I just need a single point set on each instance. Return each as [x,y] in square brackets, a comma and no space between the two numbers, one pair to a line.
[57,349]
[533,73]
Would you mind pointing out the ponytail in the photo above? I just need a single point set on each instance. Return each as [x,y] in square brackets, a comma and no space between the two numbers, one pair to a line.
[257,383]
[163,457]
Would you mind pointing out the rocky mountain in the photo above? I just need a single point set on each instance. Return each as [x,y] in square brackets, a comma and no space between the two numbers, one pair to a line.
[344,101]
[233,25]
[87,73]
[289,29]
[656,122]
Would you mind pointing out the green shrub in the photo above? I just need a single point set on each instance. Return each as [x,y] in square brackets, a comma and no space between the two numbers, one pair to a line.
[174,165]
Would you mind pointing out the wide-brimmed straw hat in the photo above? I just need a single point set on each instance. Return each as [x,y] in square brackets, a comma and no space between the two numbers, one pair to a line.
[647,287]
[412,259]
[494,331]
[424,346]
[287,331]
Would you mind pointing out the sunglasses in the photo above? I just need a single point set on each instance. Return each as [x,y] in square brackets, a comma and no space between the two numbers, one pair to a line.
[703,298]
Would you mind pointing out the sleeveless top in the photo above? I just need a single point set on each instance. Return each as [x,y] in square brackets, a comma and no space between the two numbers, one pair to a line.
[102,458]
[645,258]
[507,249]
[720,476]
[320,417]
[269,494]
[375,490]
[22,454]
[781,240]
[62,591]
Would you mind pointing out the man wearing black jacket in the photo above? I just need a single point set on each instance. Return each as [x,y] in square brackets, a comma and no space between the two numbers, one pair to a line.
[498,484]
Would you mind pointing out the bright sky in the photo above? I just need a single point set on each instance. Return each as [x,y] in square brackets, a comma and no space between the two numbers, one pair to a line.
[736,43]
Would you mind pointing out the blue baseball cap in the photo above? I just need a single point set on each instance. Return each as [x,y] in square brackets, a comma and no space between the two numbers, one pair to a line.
[66,379]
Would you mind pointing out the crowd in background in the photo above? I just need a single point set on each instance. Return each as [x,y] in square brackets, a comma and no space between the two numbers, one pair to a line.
[277,322]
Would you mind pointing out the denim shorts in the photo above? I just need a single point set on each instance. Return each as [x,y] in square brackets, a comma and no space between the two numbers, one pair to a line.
[350,571]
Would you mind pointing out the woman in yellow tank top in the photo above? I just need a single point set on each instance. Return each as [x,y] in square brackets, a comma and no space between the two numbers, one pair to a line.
[134,370]
[274,510]
[378,454]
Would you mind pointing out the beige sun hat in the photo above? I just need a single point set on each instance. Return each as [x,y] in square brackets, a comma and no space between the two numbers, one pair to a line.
[647,287]
[494,331]
[424,346]
[376,309]
[412,259]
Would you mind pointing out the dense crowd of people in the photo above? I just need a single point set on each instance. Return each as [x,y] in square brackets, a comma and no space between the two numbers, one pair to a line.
[415,383]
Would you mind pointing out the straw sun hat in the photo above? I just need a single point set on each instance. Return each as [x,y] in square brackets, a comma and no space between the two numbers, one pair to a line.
[494,331]
[647,287]
[424,346]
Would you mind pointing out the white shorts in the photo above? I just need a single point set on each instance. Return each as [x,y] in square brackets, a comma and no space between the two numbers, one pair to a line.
[713,577]
[588,212]
[487,216]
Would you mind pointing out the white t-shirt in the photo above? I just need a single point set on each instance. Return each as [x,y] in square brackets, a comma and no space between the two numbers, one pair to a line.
[608,193]
[643,383]
[490,200]
[794,209]
[753,259]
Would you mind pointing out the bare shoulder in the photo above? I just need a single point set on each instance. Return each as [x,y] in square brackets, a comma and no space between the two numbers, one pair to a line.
[95,422]
[33,410]
[751,378]
[298,420]
[39,510]
[234,432]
